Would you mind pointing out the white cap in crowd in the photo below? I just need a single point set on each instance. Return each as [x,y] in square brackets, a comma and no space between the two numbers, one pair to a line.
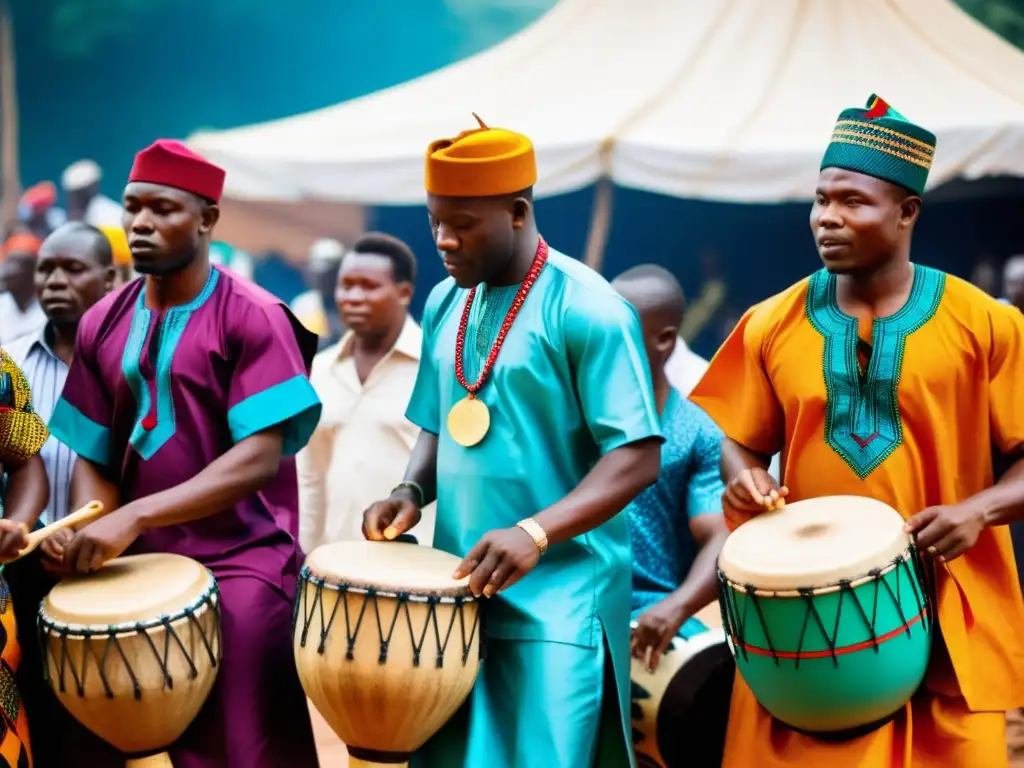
[325,253]
[80,175]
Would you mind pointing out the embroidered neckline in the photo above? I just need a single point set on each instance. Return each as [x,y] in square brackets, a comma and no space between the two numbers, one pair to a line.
[862,417]
[155,420]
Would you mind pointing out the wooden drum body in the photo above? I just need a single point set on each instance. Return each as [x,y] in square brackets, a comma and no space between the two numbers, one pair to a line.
[680,710]
[387,644]
[132,651]
[829,611]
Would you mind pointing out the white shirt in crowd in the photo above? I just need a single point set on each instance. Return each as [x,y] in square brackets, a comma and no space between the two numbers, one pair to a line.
[363,442]
[685,368]
[46,374]
[15,323]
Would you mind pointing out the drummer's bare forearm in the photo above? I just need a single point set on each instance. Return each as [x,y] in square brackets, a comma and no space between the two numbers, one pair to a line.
[422,467]
[88,484]
[614,481]
[28,491]
[700,587]
[241,471]
[1003,503]
[737,457]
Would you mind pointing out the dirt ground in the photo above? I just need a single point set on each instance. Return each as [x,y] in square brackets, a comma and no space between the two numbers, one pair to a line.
[330,750]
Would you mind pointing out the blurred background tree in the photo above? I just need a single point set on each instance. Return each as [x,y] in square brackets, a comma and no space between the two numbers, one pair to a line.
[75,28]
[1005,17]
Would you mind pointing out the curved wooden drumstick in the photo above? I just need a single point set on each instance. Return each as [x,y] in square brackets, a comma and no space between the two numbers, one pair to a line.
[86,514]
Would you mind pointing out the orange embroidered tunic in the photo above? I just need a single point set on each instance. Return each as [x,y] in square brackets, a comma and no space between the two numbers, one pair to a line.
[942,391]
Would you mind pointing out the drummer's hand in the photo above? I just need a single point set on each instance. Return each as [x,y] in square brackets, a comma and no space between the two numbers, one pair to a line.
[500,559]
[947,531]
[388,519]
[52,550]
[13,539]
[101,540]
[654,631]
[752,491]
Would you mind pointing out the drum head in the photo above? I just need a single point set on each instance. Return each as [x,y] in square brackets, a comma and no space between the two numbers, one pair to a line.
[388,566]
[127,589]
[814,543]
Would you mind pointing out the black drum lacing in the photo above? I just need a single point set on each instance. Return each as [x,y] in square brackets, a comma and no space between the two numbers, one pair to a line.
[734,619]
[204,608]
[925,576]
[312,609]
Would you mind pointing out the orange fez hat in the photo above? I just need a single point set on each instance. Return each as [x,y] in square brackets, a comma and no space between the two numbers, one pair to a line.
[482,162]
[20,242]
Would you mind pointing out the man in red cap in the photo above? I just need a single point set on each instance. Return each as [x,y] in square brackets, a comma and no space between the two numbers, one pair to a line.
[188,396]
[38,211]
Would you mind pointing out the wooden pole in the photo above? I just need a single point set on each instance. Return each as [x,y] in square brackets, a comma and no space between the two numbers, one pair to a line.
[601,214]
[10,179]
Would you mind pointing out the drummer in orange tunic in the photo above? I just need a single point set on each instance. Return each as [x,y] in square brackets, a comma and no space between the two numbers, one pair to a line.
[884,378]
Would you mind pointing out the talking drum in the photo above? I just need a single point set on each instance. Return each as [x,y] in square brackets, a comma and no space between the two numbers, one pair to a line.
[132,650]
[387,644]
[681,709]
[829,611]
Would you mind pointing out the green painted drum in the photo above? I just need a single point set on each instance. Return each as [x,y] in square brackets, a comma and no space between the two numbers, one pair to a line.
[828,611]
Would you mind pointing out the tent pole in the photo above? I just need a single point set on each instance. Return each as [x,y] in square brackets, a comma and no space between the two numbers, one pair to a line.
[10,181]
[600,223]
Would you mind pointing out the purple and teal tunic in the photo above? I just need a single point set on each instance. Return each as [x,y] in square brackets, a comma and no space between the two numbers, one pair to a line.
[153,398]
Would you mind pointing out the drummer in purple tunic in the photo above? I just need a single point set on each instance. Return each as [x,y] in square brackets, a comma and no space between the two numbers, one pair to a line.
[187,398]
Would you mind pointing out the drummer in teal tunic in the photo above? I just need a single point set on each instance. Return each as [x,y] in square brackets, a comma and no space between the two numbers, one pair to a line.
[532,470]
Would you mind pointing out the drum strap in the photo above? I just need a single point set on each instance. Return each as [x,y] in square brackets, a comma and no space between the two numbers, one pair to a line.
[849,734]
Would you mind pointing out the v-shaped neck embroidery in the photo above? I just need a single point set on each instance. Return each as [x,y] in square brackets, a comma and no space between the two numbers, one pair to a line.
[155,426]
[862,416]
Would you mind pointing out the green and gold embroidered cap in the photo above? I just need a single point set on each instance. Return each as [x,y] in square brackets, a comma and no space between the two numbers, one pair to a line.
[878,141]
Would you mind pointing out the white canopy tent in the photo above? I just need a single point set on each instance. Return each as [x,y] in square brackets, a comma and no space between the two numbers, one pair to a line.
[728,100]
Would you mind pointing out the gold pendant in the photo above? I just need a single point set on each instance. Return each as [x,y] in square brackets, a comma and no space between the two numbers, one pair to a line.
[468,421]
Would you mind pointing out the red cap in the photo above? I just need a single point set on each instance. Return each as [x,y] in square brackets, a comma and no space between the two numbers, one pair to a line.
[40,197]
[172,164]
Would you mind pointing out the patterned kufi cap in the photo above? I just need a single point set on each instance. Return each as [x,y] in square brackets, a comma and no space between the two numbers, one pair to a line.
[878,141]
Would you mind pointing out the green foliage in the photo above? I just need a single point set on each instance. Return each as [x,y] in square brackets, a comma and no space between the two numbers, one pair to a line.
[75,29]
[1004,17]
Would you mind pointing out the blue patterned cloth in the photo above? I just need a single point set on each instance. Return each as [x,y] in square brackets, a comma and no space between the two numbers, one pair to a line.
[659,518]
